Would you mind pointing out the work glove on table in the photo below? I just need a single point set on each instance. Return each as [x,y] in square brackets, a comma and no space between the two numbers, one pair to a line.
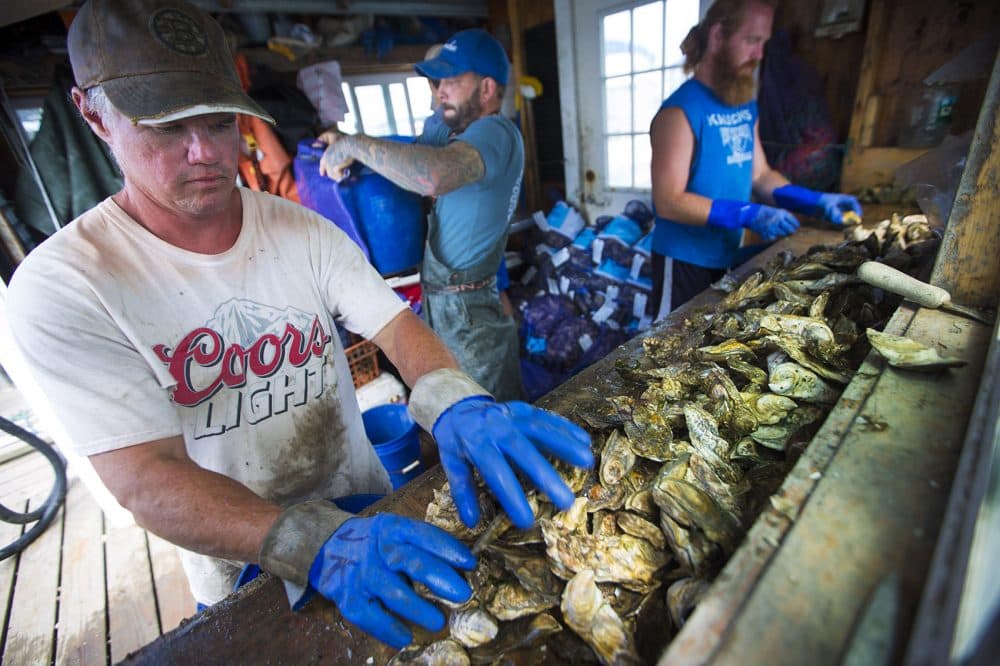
[366,566]
[474,432]
[767,222]
[830,206]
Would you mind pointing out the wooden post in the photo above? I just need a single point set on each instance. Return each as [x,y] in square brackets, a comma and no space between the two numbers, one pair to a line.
[967,262]
[532,194]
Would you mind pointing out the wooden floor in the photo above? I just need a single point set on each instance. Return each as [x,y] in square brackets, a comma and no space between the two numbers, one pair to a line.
[83,592]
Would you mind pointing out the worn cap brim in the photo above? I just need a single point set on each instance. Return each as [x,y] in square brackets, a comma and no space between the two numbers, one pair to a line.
[439,69]
[169,96]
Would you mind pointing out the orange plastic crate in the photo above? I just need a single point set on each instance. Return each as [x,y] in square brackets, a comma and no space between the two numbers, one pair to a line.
[362,357]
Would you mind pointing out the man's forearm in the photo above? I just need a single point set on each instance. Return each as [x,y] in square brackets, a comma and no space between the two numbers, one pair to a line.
[412,347]
[685,208]
[427,170]
[185,504]
[765,185]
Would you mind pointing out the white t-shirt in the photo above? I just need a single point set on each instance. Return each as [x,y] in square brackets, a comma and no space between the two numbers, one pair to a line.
[132,339]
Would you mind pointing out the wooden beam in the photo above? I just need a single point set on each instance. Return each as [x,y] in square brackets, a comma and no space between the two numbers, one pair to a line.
[878,28]
[967,262]
[532,191]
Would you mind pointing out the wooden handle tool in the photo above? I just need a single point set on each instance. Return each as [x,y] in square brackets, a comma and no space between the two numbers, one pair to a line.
[927,295]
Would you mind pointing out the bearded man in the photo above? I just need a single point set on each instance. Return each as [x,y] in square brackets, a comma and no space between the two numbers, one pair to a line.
[472,164]
[707,161]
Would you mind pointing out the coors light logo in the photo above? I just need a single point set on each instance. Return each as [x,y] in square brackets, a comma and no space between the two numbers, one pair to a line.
[273,357]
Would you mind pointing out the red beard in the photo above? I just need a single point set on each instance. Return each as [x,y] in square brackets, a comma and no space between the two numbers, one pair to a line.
[734,84]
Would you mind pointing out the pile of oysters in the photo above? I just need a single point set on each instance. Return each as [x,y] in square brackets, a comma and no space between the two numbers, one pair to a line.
[714,410]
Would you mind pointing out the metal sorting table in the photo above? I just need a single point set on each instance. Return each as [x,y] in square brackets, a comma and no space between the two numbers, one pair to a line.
[859,512]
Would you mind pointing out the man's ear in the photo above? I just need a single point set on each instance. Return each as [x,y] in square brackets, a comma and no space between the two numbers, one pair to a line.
[488,89]
[715,38]
[94,120]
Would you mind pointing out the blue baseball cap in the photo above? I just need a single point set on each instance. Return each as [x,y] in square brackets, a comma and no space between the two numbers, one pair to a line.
[472,50]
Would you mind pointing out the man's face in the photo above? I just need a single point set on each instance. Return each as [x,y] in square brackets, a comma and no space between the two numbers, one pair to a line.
[460,100]
[187,167]
[741,53]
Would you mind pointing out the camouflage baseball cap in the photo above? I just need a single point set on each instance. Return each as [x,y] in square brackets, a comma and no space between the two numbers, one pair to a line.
[157,60]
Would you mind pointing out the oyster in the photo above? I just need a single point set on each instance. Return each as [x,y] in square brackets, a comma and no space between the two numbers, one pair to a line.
[704,432]
[692,507]
[809,270]
[682,596]
[909,354]
[748,371]
[472,626]
[588,613]
[441,653]
[530,568]
[632,562]
[794,381]
[521,634]
[816,336]
[726,350]
[442,512]
[512,600]
[638,526]
[794,348]
[777,436]
[795,298]
[617,459]
[769,408]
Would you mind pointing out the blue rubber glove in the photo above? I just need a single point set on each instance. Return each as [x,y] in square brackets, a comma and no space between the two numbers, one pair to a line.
[835,205]
[477,432]
[359,569]
[766,221]
[830,206]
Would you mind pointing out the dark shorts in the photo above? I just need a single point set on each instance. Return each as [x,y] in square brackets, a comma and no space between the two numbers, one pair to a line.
[686,282]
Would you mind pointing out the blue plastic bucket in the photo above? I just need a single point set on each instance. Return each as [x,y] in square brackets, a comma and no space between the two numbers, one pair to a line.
[391,220]
[395,437]
[323,194]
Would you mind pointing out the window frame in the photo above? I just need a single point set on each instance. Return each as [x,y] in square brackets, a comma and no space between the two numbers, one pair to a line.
[635,134]
[349,84]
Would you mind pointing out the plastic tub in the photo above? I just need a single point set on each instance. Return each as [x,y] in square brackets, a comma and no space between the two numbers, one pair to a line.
[395,437]
[390,219]
[323,194]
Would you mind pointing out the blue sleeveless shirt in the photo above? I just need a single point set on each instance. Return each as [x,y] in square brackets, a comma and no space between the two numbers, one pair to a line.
[721,168]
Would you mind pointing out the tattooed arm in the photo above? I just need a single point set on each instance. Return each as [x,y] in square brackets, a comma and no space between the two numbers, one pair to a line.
[427,170]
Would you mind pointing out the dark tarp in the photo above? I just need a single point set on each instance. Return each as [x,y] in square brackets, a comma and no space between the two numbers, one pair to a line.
[75,165]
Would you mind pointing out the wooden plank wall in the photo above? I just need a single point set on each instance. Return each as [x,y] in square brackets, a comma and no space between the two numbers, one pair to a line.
[905,41]
[838,61]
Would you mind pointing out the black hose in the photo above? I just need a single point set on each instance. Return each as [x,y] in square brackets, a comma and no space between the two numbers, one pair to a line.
[45,513]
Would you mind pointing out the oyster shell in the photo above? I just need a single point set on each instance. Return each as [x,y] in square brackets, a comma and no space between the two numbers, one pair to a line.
[441,653]
[638,526]
[588,613]
[630,561]
[617,459]
[472,626]
[513,600]
[791,380]
[521,634]
[682,596]
[901,352]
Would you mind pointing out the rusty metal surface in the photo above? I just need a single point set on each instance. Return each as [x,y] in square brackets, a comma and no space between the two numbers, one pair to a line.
[254,625]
